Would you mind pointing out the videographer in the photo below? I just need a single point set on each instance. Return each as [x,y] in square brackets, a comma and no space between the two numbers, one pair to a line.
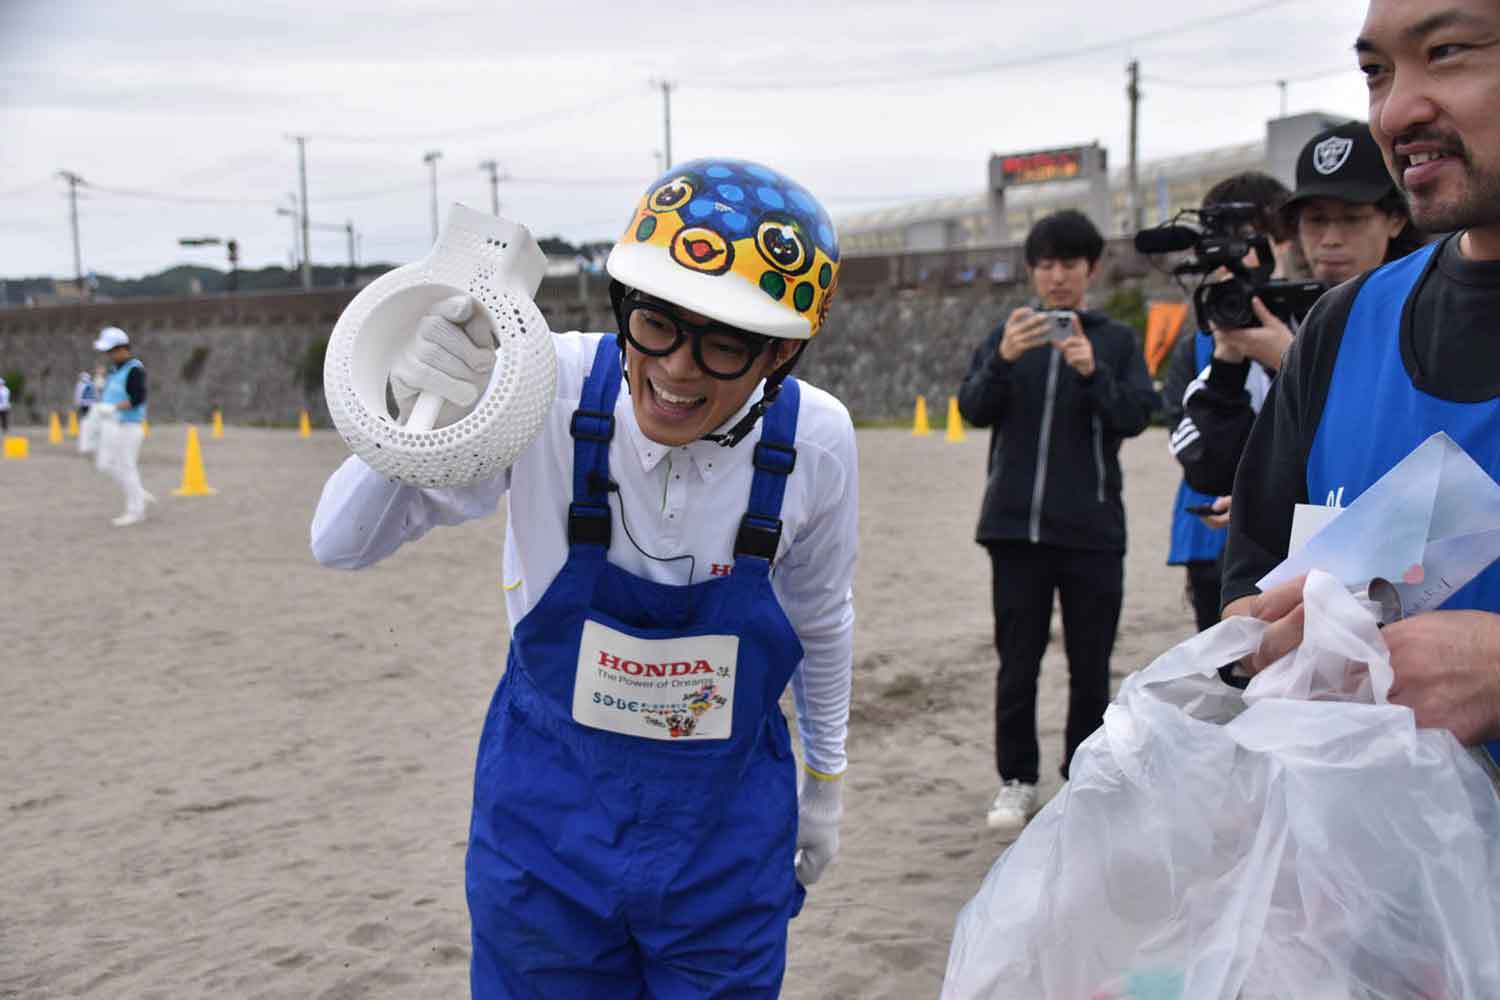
[1219,363]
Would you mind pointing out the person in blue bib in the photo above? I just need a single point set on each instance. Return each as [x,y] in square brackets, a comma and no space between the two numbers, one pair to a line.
[1388,359]
[122,405]
[680,548]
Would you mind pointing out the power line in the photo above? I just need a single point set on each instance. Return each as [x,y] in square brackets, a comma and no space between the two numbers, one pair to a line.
[177,198]
[1018,61]
[1162,81]
[470,131]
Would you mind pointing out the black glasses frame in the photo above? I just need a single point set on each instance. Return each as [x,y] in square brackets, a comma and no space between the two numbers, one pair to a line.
[755,343]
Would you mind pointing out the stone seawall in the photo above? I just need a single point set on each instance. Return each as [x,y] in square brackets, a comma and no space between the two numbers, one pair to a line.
[259,357]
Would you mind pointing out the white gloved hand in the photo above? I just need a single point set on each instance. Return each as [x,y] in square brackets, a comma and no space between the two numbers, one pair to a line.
[451,355]
[820,806]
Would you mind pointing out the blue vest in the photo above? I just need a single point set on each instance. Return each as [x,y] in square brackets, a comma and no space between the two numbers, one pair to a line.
[1371,389]
[1192,540]
[606,856]
[114,392]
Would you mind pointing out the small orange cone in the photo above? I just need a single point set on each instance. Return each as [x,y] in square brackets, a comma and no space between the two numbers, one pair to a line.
[72,423]
[218,430]
[193,482]
[145,428]
[919,426]
[54,429]
[17,447]
[955,422]
[304,425]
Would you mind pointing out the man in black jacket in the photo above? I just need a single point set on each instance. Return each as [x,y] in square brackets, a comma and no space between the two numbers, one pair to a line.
[1061,392]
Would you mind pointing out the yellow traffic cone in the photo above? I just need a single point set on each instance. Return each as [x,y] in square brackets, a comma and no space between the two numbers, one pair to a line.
[955,422]
[304,425]
[218,430]
[145,428]
[193,482]
[17,447]
[54,429]
[72,423]
[919,426]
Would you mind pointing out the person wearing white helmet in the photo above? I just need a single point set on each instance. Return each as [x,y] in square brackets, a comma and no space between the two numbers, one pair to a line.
[122,405]
[4,407]
[676,555]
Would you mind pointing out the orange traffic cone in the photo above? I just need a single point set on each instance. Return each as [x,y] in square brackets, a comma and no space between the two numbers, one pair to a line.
[17,446]
[919,426]
[194,484]
[72,423]
[54,429]
[218,430]
[955,422]
[304,425]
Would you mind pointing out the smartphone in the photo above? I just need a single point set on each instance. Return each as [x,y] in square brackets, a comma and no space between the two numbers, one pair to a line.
[1202,510]
[1059,324]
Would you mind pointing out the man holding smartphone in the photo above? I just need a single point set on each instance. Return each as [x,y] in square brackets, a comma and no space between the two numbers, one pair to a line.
[1061,386]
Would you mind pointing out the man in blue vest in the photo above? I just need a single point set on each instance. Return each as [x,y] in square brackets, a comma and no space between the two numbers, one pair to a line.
[123,407]
[680,547]
[1388,359]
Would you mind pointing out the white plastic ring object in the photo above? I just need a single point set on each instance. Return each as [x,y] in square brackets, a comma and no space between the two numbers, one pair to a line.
[495,261]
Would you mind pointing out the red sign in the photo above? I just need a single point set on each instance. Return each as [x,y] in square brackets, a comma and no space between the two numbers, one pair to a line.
[1034,168]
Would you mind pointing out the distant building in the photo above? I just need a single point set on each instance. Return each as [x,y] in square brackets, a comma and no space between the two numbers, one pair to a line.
[1166,186]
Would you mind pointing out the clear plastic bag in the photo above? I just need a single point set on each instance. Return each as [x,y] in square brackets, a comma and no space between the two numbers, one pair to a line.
[1301,839]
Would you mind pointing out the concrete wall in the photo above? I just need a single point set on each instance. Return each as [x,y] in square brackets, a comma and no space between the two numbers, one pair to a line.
[258,357]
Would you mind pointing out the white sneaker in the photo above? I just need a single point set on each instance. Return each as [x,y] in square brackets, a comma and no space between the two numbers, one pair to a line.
[128,518]
[1013,806]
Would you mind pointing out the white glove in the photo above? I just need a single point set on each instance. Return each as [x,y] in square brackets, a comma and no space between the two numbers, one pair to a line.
[451,355]
[820,806]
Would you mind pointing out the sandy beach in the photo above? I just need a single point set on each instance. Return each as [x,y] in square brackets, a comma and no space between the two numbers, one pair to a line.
[229,772]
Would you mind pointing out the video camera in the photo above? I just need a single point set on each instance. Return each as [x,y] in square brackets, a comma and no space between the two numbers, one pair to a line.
[1224,234]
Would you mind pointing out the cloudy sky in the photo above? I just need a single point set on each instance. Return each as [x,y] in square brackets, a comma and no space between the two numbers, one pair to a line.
[177,115]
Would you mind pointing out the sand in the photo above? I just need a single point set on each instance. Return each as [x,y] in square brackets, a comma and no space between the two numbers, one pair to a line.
[230,772]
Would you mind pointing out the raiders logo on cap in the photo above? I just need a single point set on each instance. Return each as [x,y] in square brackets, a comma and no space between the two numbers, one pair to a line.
[1331,154]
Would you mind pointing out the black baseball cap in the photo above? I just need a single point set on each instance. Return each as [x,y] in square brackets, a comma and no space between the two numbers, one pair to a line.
[1343,163]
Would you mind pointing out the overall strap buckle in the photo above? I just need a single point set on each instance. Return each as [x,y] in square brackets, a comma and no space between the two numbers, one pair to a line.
[758,536]
[589,523]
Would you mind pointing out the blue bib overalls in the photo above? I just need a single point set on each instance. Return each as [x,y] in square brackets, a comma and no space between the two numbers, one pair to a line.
[1375,417]
[603,864]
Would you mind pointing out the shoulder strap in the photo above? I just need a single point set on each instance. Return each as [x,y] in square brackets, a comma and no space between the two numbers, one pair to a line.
[775,457]
[592,428]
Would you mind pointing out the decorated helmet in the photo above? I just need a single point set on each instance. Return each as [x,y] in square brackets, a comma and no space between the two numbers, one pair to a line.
[736,241]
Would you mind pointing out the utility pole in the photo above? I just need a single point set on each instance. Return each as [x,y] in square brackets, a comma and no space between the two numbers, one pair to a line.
[1281,84]
[666,118]
[349,232]
[431,160]
[73,181]
[301,141]
[494,171]
[1133,191]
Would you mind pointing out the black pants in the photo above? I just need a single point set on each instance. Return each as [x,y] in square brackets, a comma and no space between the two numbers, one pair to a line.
[4,421]
[1090,586]
[1203,592]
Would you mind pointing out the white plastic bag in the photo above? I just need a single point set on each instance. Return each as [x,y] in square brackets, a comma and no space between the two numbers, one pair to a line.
[1271,843]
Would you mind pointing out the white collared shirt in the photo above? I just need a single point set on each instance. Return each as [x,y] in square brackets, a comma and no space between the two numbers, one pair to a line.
[674,502]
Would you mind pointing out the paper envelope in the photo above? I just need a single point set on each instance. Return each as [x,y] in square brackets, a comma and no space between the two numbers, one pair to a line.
[1423,530]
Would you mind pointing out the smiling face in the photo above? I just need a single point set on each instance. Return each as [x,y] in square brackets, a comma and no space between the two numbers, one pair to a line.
[675,401]
[1433,71]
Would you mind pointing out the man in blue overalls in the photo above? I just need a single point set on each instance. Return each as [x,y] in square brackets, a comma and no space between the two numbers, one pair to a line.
[1385,361]
[676,554]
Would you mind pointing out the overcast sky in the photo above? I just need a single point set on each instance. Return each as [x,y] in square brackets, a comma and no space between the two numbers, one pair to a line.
[188,108]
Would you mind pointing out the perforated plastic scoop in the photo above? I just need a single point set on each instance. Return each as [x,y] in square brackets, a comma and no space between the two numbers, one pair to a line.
[498,263]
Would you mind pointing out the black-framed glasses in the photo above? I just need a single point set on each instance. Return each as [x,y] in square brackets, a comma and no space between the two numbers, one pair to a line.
[723,352]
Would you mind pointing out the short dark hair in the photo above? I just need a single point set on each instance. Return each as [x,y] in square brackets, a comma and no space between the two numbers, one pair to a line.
[1065,235]
[1263,191]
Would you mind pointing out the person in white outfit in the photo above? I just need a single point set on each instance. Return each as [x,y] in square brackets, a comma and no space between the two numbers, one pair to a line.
[123,410]
[4,407]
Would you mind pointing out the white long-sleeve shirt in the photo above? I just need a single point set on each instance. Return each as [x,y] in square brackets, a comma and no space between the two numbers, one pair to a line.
[684,501]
